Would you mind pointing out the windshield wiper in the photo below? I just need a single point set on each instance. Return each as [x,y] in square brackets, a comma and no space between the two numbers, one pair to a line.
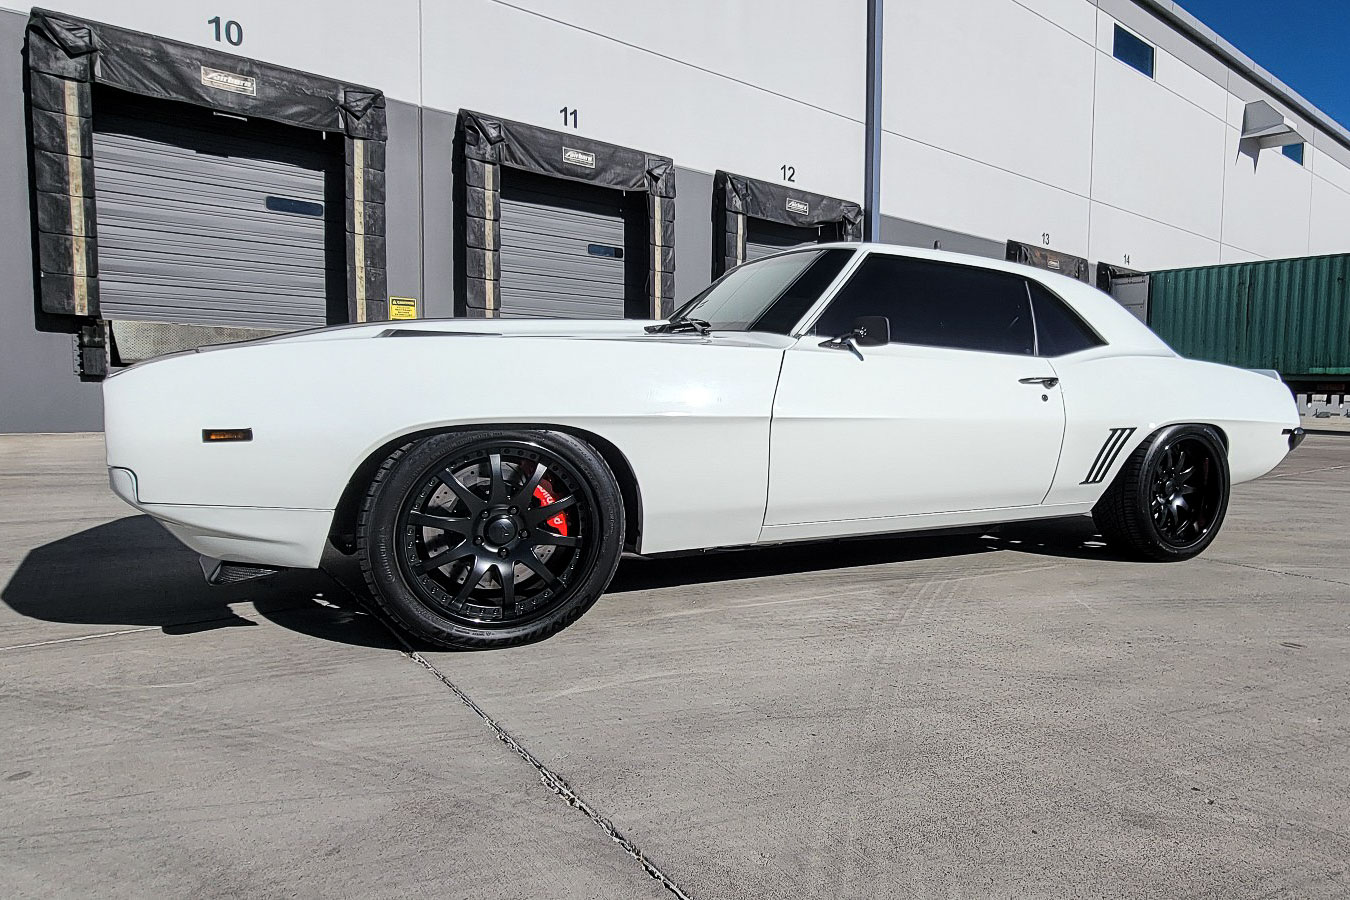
[678,325]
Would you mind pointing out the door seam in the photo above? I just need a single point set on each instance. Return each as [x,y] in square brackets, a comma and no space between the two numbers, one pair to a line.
[768,450]
[1063,433]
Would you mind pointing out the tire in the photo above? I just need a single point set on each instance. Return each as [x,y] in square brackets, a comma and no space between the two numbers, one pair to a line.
[534,518]
[1169,499]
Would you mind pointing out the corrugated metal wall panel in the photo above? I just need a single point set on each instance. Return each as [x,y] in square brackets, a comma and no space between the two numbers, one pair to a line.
[763,237]
[562,251]
[186,234]
[1292,315]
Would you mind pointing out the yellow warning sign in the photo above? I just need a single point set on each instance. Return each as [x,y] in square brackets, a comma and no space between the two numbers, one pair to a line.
[402,307]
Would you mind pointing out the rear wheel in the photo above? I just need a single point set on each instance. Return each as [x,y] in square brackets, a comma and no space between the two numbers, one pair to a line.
[1169,499]
[484,539]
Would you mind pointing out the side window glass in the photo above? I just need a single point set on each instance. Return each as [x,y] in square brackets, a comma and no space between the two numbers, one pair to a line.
[1059,330]
[937,304]
[870,292]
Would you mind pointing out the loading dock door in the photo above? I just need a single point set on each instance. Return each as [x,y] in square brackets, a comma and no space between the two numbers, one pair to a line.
[213,220]
[1131,292]
[562,251]
[763,237]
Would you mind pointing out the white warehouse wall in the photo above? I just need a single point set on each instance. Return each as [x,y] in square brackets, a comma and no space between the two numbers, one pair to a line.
[1011,119]
[987,110]
[748,87]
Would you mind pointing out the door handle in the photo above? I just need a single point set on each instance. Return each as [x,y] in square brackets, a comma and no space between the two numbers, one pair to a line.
[1042,381]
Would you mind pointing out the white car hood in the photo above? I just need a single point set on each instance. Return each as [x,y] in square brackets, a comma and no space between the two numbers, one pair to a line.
[479,329]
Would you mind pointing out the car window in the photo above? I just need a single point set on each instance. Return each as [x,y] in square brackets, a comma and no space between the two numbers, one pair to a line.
[770,294]
[936,304]
[1059,330]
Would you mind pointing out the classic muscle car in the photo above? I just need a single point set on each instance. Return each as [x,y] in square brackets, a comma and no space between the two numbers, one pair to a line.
[490,473]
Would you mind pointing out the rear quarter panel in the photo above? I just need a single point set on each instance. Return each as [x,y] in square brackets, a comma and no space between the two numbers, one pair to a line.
[1104,392]
[690,416]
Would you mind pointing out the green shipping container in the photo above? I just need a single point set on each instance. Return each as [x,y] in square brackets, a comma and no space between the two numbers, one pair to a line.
[1290,315]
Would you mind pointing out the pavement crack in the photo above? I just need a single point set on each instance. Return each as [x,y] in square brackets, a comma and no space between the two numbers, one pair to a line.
[1224,562]
[78,638]
[547,777]
[1308,471]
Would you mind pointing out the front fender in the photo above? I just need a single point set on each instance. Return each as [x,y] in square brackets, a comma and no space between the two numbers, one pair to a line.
[691,417]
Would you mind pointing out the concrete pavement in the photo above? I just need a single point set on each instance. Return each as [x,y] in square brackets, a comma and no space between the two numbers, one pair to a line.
[1017,715]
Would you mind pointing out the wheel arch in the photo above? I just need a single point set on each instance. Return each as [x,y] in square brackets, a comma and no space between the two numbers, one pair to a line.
[343,529]
[1148,439]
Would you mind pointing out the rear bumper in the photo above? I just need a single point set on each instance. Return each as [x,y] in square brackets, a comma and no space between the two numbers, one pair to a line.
[261,536]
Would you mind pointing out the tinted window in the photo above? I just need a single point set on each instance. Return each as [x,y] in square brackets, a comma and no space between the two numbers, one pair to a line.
[1133,52]
[1294,152]
[768,295]
[1059,330]
[936,304]
[785,312]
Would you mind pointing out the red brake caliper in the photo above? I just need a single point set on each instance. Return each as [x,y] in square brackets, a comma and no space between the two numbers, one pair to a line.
[559,522]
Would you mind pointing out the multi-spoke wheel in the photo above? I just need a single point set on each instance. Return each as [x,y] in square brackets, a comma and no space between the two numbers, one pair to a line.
[477,539]
[1169,499]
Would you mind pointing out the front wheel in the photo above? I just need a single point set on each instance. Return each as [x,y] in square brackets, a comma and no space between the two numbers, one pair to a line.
[487,539]
[1169,498]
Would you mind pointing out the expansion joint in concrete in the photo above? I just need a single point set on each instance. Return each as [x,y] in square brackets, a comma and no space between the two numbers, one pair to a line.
[547,777]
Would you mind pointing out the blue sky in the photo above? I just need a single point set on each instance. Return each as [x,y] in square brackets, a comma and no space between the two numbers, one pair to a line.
[1305,43]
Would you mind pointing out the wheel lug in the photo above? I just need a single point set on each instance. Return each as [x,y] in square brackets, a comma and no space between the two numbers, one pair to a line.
[502,553]
[512,510]
[478,541]
[524,534]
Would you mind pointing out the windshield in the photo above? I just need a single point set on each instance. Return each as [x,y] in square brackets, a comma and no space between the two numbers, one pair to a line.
[767,295]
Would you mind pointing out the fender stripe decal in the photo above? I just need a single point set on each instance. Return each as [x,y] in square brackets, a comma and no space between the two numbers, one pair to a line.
[1106,457]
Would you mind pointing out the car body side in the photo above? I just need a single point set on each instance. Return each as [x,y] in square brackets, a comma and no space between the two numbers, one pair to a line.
[690,415]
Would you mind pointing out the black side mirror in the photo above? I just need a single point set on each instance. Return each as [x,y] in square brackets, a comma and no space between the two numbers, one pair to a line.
[871,331]
[868,331]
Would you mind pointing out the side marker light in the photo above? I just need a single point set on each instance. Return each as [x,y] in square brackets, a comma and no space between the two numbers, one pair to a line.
[220,435]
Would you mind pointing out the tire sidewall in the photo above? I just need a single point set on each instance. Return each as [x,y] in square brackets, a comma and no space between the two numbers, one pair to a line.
[380,537]
[1143,493]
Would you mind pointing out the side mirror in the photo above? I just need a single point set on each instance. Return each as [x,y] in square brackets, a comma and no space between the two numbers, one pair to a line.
[871,331]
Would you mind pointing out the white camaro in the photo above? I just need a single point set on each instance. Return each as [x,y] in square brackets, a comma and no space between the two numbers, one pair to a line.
[490,473]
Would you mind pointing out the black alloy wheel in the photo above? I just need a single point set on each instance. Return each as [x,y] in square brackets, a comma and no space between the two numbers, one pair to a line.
[1170,497]
[484,539]
[1186,492]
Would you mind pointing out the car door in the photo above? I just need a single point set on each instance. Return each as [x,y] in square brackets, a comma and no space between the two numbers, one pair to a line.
[955,413]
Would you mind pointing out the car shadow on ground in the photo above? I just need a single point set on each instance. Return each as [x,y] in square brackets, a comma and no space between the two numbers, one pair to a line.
[1075,538]
[131,572]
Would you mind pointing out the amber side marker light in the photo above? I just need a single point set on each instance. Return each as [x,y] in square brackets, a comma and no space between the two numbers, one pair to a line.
[219,435]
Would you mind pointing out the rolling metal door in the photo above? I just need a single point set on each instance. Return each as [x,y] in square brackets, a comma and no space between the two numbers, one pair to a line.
[562,249]
[212,221]
[763,237]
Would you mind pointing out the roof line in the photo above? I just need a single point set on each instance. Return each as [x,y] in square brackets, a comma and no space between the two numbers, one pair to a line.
[1215,43]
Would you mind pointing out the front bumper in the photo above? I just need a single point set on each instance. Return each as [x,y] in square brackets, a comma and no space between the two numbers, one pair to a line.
[260,536]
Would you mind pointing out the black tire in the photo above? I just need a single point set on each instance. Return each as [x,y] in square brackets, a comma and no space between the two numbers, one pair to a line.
[1169,499]
[535,517]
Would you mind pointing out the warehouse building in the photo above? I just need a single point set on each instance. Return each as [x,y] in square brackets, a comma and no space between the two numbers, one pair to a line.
[179,178]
